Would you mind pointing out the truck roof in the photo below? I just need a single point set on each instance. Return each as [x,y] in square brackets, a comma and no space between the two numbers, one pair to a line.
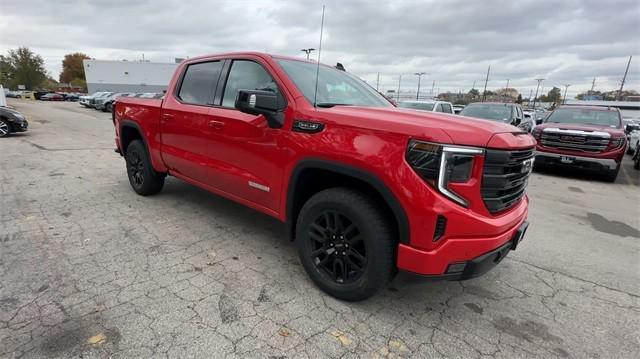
[594,108]
[252,53]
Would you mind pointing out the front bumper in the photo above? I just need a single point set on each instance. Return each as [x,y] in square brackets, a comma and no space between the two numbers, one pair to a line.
[549,158]
[19,126]
[462,258]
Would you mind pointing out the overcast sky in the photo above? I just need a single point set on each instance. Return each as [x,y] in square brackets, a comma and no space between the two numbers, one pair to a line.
[454,41]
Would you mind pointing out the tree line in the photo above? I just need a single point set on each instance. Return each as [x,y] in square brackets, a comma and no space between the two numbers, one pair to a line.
[22,66]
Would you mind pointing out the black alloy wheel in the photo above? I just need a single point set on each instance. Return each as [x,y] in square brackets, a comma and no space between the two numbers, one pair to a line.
[136,167]
[338,250]
[346,243]
[142,177]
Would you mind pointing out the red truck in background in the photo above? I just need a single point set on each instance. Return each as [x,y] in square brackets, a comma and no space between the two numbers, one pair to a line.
[586,137]
[364,188]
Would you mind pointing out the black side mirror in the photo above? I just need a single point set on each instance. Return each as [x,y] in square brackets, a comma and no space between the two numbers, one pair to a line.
[631,127]
[260,102]
[518,121]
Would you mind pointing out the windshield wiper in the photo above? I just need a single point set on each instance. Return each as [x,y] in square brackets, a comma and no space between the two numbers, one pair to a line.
[331,104]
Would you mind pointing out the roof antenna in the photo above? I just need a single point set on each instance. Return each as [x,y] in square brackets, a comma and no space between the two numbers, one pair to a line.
[315,95]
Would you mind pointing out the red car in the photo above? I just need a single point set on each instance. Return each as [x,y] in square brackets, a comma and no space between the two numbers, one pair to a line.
[586,137]
[52,97]
[363,187]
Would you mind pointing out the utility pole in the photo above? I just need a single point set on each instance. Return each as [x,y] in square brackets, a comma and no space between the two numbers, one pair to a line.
[593,84]
[536,96]
[378,82]
[484,93]
[564,98]
[419,74]
[308,51]
[474,85]
[506,90]
[398,94]
[432,87]
[530,94]
[624,78]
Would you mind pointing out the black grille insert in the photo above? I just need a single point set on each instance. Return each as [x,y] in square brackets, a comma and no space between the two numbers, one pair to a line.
[441,226]
[505,178]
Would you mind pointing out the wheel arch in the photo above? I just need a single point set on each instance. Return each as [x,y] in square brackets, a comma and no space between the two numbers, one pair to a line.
[349,176]
[130,131]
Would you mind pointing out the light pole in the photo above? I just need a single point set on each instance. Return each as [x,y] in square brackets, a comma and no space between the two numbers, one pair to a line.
[398,94]
[506,89]
[536,96]
[484,93]
[308,51]
[564,98]
[419,74]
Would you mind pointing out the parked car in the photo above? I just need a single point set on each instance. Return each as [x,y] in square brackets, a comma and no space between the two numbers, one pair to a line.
[71,96]
[12,94]
[95,101]
[433,106]
[588,137]
[509,113]
[86,100]
[105,103]
[457,108]
[364,188]
[633,135]
[11,121]
[52,97]
[27,95]
[537,116]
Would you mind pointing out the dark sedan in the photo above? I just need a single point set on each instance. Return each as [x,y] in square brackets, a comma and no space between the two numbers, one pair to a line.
[11,121]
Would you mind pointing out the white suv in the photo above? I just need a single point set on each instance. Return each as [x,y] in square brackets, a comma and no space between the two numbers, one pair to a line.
[431,106]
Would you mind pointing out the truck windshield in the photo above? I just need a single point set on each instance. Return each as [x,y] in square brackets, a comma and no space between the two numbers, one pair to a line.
[489,112]
[585,117]
[426,106]
[335,87]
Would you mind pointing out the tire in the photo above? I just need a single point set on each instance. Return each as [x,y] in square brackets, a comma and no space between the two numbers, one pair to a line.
[611,175]
[142,177]
[346,244]
[107,107]
[5,128]
[636,158]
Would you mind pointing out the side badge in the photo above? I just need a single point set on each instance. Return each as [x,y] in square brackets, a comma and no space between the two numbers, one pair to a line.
[307,126]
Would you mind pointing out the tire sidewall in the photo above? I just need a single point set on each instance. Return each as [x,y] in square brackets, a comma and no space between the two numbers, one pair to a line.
[375,236]
[8,128]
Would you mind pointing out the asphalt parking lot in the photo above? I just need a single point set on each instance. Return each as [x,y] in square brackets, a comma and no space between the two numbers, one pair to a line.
[90,269]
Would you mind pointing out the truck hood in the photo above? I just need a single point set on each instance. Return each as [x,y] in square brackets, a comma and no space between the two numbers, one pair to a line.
[581,127]
[432,126]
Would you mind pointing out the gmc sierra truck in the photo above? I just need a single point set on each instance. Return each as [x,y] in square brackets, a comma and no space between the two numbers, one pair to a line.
[586,137]
[364,188]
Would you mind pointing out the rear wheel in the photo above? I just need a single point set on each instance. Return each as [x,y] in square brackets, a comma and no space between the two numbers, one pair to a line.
[346,244]
[636,157]
[4,128]
[142,177]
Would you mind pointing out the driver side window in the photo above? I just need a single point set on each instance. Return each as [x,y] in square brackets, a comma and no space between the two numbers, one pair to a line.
[246,75]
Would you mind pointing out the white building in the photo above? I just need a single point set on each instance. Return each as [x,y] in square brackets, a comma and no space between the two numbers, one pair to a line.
[127,76]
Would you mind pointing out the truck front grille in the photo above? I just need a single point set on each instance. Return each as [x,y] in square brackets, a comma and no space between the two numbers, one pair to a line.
[505,178]
[584,141]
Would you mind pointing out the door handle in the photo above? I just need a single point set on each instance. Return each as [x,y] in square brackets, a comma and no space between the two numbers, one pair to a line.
[216,125]
[168,116]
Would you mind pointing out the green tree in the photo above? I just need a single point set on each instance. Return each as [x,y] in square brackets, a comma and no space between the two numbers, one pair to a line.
[554,95]
[22,67]
[72,67]
[77,82]
[474,92]
[49,84]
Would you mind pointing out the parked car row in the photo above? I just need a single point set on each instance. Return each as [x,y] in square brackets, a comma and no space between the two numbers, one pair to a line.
[104,100]
[44,95]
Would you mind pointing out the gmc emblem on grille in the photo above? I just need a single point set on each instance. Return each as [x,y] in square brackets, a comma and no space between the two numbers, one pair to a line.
[527,166]
[573,138]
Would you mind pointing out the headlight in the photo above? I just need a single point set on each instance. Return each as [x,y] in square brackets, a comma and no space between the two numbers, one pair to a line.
[439,165]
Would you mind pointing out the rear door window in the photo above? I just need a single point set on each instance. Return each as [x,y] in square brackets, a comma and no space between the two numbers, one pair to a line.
[199,83]
[446,108]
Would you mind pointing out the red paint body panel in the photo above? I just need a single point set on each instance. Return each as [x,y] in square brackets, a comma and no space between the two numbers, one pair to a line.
[223,150]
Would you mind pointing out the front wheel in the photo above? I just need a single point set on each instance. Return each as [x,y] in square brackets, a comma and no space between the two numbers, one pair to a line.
[611,175]
[346,243]
[4,128]
[142,177]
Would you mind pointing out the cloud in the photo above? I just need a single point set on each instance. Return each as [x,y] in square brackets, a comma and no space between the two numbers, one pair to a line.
[454,41]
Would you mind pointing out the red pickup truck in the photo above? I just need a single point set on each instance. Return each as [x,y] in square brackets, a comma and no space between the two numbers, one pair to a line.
[363,187]
[586,137]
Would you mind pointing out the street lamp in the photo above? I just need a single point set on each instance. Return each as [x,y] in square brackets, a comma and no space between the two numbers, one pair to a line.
[308,51]
[564,98]
[535,98]
[419,74]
